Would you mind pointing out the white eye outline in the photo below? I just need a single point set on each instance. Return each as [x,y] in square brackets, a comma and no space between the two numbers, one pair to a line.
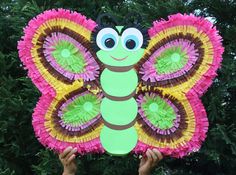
[132,32]
[102,33]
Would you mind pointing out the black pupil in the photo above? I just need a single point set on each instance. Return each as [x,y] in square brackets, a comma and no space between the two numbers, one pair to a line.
[109,42]
[130,44]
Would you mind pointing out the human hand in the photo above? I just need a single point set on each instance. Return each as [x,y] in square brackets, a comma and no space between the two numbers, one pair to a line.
[149,161]
[67,159]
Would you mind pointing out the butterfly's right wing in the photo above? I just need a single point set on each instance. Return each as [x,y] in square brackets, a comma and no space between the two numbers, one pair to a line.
[180,63]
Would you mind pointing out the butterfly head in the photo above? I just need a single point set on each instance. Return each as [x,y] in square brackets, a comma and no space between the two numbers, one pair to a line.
[120,46]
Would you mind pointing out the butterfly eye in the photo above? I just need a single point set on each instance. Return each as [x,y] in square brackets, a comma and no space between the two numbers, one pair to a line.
[132,39]
[107,39]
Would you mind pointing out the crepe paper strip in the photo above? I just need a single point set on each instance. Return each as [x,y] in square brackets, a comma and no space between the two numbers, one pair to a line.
[171,60]
[200,28]
[80,133]
[193,135]
[202,47]
[154,66]
[186,90]
[73,66]
[53,88]
[68,57]
[144,120]
[88,124]
[80,110]
[47,134]
[158,111]
[27,52]
[178,67]
[71,32]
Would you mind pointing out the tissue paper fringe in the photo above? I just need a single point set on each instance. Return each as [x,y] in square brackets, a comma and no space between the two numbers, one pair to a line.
[85,125]
[31,49]
[207,47]
[91,68]
[150,72]
[54,136]
[54,83]
[179,123]
[187,138]
[185,86]
[181,89]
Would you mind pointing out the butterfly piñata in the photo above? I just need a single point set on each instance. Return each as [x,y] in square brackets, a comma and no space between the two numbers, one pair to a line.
[120,88]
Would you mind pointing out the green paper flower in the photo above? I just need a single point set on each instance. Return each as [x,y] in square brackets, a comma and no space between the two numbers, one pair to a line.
[69,57]
[171,60]
[158,112]
[81,110]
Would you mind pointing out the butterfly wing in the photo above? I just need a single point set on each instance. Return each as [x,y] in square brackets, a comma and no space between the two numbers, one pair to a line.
[56,51]
[179,65]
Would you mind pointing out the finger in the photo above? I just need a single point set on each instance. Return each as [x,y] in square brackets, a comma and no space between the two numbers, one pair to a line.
[65,152]
[158,153]
[71,158]
[149,157]
[154,156]
[73,151]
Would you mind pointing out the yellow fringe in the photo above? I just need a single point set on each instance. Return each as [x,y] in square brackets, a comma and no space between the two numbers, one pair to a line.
[58,85]
[187,134]
[49,123]
[207,58]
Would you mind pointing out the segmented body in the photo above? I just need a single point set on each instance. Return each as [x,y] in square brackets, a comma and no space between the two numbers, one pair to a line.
[119,110]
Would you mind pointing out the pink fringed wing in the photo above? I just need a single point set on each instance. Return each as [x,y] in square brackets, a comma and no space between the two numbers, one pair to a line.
[56,52]
[180,63]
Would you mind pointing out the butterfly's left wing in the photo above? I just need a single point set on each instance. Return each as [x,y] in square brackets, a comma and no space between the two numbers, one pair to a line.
[179,65]
[56,51]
